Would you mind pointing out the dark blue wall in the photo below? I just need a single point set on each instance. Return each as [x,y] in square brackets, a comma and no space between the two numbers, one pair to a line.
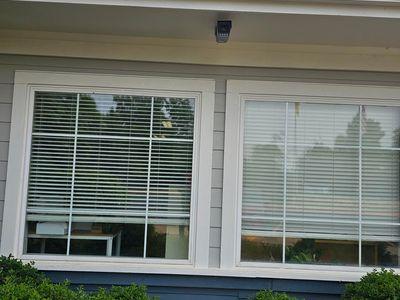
[182,287]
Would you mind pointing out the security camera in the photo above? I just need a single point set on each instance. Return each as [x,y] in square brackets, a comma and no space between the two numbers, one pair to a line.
[222,31]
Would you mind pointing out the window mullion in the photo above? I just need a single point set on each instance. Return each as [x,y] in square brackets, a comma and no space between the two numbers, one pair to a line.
[148,178]
[73,174]
[360,183]
[285,184]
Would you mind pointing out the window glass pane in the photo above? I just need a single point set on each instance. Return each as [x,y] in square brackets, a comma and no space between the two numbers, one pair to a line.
[262,181]
[262,196]
[170,180]
[264,122]
[50,177]
[109,239]
[380,245]
[173,118]
[323,124]
[323,242]
[380,185]
[380,126]
[262,240]
[167,241]
[111,178]
[322,251]
[261,248]
[119,115]
[262,163]
[46,237]
[54,112]
[49,193]
[322,182]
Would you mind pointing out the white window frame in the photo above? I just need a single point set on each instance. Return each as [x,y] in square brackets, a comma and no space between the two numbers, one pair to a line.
[25,85]
[238,91]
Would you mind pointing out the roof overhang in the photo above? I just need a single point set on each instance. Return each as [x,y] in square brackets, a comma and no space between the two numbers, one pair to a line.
[357,8]
[345,35]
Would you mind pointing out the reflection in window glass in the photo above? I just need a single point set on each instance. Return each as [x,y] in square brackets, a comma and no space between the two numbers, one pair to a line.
[260,248]
[380,245]
[322,251]
[110,175]
[44,242]
[314,168]
[167,241]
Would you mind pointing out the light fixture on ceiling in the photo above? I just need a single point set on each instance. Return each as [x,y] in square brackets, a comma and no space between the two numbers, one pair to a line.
[222,31]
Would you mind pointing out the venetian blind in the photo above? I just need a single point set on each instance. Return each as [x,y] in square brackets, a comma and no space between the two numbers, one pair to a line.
[111,158]
[301,170]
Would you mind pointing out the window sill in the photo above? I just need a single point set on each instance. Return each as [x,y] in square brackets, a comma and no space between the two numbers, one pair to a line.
[173,267]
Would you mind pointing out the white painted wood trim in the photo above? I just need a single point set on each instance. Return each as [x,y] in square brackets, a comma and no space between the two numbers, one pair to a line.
[203,209]
[299,272]
[323,90]
[237,91]
[114,81]
[230,178]
[27,81]
[358,8]
[14,185]
[199,52]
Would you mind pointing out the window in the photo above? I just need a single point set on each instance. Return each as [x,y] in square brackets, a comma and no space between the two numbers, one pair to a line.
[318,175]
[113,170]
[110,175]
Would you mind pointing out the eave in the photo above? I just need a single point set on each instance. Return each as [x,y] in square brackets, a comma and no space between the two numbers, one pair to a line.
[351,8]
[199,52]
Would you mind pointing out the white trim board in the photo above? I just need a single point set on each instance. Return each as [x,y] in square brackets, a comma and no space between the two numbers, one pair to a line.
[25,84]
[283,272]
[358,8]
[199,52]
[237,92]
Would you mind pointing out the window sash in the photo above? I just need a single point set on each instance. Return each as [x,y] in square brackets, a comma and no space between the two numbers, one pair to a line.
[283,233]
[150,215]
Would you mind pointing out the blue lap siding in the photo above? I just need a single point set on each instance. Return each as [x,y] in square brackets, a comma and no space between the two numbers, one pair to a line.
[182,287]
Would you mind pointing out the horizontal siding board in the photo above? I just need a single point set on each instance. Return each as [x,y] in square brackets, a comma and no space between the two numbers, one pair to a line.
[207,286]
[214,257]
[215,237]
[216,178]
[216,214]
[220,103]
[3,151]
[1,210]
[6,92]
[303,286]
[218,141]
[7,74]
[219,121]
[4,132]
[2,189]
[216,197]
[5,112]
[217,159]
[3,170]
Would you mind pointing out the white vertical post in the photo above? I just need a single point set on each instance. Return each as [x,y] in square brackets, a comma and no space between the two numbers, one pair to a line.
[285,184]
[148,177]
[73,174]
[360,132]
